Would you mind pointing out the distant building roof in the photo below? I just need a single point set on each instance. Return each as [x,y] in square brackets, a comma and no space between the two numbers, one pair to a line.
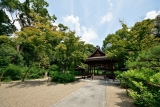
[97,52]
[98,56]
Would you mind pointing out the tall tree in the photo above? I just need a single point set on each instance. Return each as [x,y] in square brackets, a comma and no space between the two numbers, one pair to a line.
[126,43]
[70,52]
[156,29]
[24,13]
[89,49]
[7,26]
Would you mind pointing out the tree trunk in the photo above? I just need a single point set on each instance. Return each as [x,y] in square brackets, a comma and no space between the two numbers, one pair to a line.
[1,76]
[26,74]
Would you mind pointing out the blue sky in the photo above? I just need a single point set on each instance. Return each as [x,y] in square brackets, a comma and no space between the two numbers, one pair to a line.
[93,20]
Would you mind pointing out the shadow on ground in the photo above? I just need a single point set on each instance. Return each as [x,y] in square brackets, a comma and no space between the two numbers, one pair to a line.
[126,101]
[33,83]
[24,84]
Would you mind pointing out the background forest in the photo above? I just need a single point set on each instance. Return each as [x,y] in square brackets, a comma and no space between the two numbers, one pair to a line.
[41,46]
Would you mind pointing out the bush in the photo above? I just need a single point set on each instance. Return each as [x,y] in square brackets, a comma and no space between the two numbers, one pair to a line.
[13,72]
[155,78]
[62,77]
[77,73]
[139,75]
[53,68]
[118,74]
[145,95]
[7,79]
[35,72]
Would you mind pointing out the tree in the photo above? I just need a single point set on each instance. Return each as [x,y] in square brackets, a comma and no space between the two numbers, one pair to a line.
[34,46]
[126,43]
[24,13]
[89,49]
[7,26]
[148,58]
[156,29]
[8,55]
[115,45]
[70,52]
[62,27]
[60,54]
[37,43]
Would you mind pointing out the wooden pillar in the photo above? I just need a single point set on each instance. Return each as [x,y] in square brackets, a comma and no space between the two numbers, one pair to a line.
[90,68]
[112,72]
[104,66]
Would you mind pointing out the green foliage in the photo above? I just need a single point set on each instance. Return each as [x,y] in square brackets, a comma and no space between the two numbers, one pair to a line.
[144,80]
[62,77]
[35,72]
[13,72]
[77,73]
[89,49]
[139,75]
[140,80]
[70,52]
[9,55]
[118,74]
[38,40]
[148,59]
[156,29]
[5,23]
[7,79]
[144,98]
[155,78]
[127,43]
[53,68]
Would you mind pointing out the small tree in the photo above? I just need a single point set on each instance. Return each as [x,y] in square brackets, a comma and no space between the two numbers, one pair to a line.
[8,55]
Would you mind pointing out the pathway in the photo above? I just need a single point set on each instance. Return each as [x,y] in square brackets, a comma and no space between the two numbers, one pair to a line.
[91,95]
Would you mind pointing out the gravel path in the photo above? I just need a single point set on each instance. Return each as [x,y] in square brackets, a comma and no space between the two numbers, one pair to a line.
[35,93]
[117,97]
[39,93]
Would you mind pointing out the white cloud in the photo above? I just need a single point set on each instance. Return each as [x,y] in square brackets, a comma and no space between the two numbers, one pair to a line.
[110,3]
[72,22]
[107,18]
[13,17]
[151,14]
[21,1]
[87,34]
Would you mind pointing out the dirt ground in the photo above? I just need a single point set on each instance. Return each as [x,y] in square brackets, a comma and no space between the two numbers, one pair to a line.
[39,93]
[117,96]
[35,93]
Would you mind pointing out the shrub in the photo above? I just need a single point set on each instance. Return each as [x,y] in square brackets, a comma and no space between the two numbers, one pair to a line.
[35,72]
[145,95]
[77,73]
[53,68]
[118,74]
[62,77]
[139,75]
[13,72]
[155,78]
